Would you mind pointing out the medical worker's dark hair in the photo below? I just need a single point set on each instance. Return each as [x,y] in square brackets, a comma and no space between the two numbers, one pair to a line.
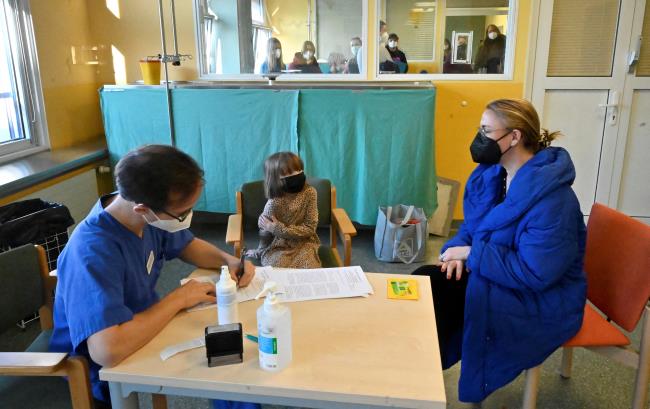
[157,176]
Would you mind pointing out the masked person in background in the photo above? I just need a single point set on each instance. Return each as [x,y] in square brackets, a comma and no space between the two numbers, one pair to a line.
[492,53]
[309,54]
[396,54]
[386,63]
[273,63]
[511,288]
[336,62]
[106,306]
[353,66]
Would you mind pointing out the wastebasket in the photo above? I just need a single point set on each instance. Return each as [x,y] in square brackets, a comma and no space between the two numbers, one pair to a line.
[35,221]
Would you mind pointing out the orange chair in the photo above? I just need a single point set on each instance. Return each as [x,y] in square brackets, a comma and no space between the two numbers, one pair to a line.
[617,263]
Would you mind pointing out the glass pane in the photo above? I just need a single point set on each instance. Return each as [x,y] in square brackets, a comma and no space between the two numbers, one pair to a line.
[10,127]
[286,37]
[643,70]
[583,37]
[472,39]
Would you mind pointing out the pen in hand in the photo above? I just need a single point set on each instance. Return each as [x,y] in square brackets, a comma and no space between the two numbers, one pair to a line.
[240,272]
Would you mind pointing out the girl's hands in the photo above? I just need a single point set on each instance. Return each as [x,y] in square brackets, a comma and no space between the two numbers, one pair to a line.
[268,224]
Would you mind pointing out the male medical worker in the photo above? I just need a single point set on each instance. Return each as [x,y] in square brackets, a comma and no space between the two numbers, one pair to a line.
[105,306]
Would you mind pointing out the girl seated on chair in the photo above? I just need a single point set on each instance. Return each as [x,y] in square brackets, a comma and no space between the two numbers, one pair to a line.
[288,223]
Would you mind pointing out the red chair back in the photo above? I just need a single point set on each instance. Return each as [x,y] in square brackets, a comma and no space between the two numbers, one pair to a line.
[617,263]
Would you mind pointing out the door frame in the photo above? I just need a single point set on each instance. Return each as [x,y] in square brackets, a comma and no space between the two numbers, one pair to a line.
[632,83]
[536,83]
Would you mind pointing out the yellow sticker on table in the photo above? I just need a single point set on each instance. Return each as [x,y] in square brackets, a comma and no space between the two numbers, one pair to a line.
[401,289]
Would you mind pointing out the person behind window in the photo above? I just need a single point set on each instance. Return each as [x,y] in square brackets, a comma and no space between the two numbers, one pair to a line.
[396,54]
[446,57]
[336,62]
[309,54]
[353,65]
[491,55]
[386,63]
[297,63]
[273,63]
[288,222]
[511,288]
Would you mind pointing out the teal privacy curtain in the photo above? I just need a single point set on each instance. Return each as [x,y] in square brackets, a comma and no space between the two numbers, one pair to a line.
[132,118]
[376,146]
[230,133]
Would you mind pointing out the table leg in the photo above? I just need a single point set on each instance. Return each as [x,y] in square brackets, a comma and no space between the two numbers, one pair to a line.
[118,400]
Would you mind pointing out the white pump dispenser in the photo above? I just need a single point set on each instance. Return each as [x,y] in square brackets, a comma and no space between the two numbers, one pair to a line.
[227,306]
[273,330]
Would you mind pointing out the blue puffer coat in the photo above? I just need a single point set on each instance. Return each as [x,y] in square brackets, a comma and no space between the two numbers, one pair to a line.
[526,290]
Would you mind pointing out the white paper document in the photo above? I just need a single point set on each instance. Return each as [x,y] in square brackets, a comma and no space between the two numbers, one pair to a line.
[320,283]
[300,284]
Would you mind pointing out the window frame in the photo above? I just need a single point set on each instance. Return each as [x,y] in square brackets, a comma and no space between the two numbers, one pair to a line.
[508,72]
[30,91]
[362,76]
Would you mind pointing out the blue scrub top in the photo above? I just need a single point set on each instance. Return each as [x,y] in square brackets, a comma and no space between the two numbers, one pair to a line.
[103,280]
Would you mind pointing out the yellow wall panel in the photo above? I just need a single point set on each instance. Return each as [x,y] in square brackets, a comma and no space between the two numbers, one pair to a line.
[69,89]
[73,114]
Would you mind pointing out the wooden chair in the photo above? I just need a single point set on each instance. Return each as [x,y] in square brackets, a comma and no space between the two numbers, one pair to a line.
[28,288]
[250,204]
[617,263]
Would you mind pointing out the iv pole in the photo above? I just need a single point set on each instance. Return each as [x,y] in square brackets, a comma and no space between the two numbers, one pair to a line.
[164,59]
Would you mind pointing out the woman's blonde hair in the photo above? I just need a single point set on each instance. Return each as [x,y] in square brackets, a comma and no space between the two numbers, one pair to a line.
[276,166]
[520,114]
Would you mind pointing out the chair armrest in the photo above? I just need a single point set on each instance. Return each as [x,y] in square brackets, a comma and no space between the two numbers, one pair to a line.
[234,230]
[25,363]
[343,222]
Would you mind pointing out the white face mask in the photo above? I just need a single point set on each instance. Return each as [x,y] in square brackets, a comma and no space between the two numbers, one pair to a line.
[492,35]
[392,44]
[308,54]
[355,49]
[384,37]
[171,225]
[278,53]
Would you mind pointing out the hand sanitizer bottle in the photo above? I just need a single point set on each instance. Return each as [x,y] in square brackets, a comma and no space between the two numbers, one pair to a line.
[227,306]
[273,330]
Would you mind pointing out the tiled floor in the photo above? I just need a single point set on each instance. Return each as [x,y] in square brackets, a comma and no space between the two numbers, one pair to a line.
[597,382]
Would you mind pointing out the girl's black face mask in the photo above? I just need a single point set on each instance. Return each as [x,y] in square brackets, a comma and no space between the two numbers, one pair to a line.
[485,150]
[294,183]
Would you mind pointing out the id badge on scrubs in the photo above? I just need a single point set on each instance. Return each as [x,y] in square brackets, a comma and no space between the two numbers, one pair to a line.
[150,261]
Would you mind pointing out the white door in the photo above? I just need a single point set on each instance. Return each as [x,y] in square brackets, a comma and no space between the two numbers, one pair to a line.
[580,87]
[630,191]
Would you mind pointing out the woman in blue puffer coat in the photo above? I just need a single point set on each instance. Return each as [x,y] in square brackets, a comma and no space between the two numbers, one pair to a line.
[511,288]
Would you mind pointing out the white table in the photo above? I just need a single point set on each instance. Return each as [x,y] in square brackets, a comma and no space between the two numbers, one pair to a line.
[369,352]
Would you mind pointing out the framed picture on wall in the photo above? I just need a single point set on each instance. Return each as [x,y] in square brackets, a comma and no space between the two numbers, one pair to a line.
[462,47]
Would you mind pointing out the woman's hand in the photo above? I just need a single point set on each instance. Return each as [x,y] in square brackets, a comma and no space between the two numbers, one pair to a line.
[453,266]
[456,253]
[268,224]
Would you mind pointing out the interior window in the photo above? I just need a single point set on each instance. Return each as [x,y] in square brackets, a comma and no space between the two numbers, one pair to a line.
[462,37]
[280,37]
